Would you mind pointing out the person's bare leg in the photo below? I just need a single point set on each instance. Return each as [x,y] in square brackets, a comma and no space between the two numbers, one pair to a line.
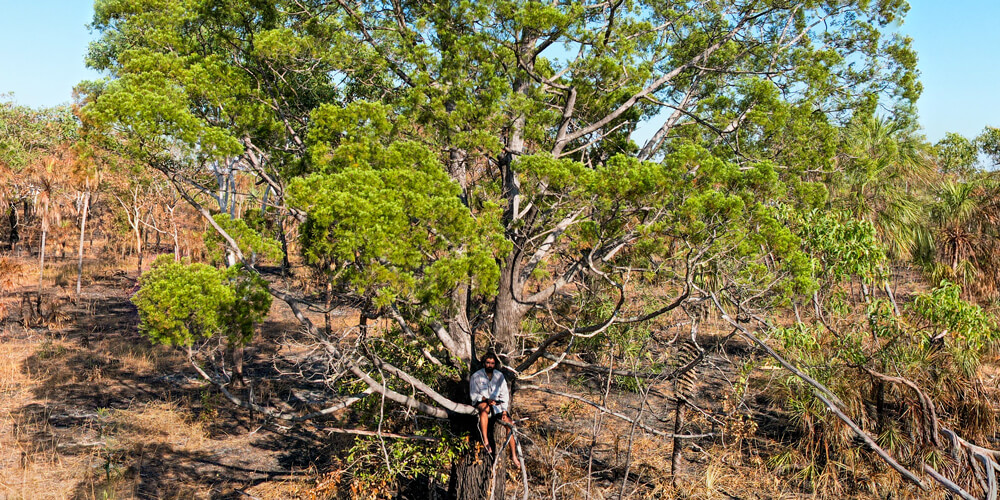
[513,445]
[484,422]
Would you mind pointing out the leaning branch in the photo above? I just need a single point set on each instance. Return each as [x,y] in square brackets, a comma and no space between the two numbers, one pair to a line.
[390,394]
[948,484]
[824,394]
[448,404]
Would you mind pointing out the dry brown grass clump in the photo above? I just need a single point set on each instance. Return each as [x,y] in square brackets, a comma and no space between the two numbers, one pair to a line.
[31,462]
[11,273]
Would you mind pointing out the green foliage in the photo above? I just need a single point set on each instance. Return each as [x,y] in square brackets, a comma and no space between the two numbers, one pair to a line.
[26,134]
[250,240]
[407,459]
[437,145]
[944,310]
[180,304]
[988,143]
[842,247]
[883,162]
[961,234]
[387,217]
[957,155]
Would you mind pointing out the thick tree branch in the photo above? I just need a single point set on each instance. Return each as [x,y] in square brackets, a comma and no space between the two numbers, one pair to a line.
[390,394]
[564,139]
[448,404]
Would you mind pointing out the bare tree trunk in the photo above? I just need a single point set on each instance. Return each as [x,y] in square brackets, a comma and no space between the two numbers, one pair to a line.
[328,305]
[83,232]
[41,250]
[508,313]
[138,242]
[12,219]
[471,473]
[892,297]
[285,265]
[675,452]
[41,260]
[177,241]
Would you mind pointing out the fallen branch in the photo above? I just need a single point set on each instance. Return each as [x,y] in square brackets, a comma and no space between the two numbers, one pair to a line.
[361,432]
[950,486]
[930,415]
[250,405]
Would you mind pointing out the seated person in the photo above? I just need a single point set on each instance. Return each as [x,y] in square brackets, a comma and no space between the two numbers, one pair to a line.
[488,390]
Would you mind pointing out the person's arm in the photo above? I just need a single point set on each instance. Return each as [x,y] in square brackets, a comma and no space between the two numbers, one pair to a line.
[477,389]
[503,395]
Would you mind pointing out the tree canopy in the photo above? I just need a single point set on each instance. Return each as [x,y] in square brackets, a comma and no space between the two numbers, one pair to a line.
[539,177]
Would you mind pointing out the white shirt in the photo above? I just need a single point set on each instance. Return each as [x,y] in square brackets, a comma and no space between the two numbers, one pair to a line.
[483,387]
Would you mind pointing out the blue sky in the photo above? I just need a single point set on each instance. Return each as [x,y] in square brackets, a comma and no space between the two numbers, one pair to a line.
[43,43]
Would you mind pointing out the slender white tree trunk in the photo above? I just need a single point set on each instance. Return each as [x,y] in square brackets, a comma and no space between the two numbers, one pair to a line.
[41,251]
[83,232]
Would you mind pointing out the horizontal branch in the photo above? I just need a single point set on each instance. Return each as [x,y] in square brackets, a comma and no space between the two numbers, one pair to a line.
[360,432]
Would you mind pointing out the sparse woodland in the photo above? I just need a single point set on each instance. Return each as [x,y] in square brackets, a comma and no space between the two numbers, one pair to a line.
[707,240]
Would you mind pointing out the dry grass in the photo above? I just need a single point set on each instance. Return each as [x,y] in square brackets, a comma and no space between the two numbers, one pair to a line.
[190,445]
[137,359]
[31,465]
[11,273]
[158,423]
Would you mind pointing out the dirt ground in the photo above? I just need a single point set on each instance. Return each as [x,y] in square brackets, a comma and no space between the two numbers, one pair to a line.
[90,409]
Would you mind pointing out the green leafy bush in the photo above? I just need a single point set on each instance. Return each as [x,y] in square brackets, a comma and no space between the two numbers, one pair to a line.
[180,303]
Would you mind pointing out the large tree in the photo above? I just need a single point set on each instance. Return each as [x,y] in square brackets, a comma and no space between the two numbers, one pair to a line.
[470,170]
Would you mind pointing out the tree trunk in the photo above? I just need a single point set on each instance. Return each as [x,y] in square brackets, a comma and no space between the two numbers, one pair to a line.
[177,241]
[83,232]
[675,451]
[12,219]
[41,250]
[507,312]
[41,260]
[892,296]
[285,265]
[459,327]
[138,243]
[471,473]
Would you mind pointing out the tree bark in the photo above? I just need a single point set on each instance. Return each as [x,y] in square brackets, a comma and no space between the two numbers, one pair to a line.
[13,221]
[138,243]
[83,232]
[41,250]
[508,313]
[41,261]
[471,473]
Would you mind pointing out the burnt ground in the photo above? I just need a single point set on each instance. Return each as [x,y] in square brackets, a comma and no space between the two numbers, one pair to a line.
[89,408]
[95,410]
[92,409]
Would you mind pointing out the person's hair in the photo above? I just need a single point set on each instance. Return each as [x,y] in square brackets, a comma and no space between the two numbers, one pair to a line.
[489,355]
